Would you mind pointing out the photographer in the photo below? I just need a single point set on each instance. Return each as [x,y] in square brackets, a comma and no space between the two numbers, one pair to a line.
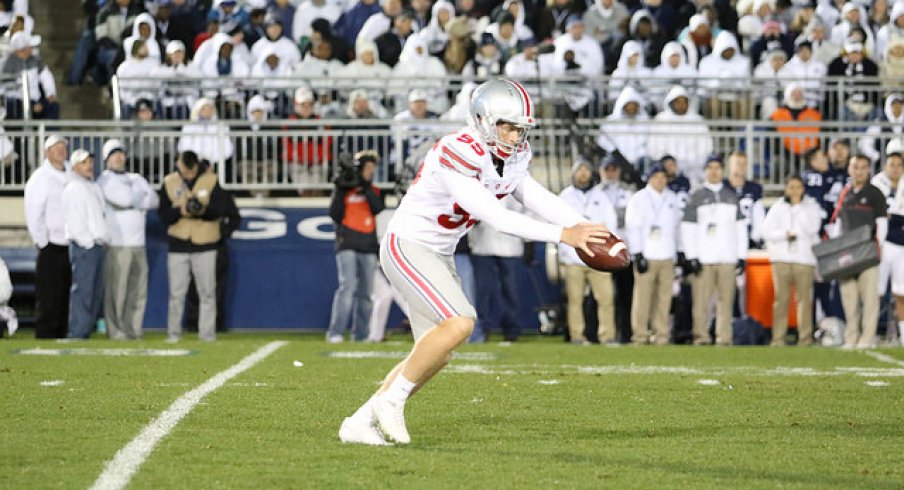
[192,206]
[353,208]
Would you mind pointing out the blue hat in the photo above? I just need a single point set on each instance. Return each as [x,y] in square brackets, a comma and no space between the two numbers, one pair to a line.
[715,157]
[487,38]
[656,167]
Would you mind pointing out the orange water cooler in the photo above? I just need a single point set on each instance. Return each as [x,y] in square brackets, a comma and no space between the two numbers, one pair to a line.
[761,293]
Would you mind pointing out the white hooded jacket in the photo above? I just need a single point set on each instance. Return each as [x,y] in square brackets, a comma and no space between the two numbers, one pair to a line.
[418,69]
[628,135]
[153,47]
[627,75]
[434,34]
[726,77]
[686,137]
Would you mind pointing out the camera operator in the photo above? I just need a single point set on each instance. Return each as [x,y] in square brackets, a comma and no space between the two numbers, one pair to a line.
[192,206]
[354,206]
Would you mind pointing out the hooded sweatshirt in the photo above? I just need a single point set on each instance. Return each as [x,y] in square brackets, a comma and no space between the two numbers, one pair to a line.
[287,51]
[603,23]
[626,134]
[719,70]
[435,34]
[153,47]
[841,31]
[209,139]
[627,75]
[890,31]
[418,69]
[872,146]
[665,76]
[686,137]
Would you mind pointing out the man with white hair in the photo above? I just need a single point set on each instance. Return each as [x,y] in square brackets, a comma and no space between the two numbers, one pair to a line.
[45,216]
[127,196]
[88,235]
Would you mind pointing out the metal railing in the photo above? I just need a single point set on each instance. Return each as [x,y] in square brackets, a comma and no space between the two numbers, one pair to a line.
[735,98]
[297,155]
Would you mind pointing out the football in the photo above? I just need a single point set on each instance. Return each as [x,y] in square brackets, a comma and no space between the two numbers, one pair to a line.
[610,256]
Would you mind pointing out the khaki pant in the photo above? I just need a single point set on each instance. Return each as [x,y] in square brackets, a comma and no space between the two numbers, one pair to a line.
[721,279]
[784,275]
[576,278]
[862,288]
[652,293]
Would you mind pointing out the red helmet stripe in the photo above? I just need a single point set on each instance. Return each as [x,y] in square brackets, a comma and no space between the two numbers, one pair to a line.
[524,97]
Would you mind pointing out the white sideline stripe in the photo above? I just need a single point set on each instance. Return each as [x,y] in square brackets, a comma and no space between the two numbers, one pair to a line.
[884,358]
[127,460]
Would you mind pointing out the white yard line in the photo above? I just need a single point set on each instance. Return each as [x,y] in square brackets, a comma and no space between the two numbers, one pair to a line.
[127,460]
[884,358]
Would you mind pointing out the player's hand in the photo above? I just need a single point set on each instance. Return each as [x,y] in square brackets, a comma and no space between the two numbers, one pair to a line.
[581,234]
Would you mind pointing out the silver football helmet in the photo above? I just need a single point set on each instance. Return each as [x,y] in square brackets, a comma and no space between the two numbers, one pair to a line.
[496,101]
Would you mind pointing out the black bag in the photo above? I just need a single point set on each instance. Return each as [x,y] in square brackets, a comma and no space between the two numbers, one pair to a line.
[747,331]
[848,255]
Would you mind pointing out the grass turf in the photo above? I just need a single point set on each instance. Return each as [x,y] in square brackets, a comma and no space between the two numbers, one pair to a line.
[537,414]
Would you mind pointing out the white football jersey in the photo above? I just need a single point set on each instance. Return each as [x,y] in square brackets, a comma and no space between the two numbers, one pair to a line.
[428,214]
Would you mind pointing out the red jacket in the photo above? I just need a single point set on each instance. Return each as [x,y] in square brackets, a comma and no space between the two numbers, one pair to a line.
[306,150]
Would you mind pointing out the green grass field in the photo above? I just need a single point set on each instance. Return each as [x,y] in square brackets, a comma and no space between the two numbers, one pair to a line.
[537,414]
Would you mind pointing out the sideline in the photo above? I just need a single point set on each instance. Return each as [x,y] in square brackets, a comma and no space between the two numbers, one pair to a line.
[125,463]
[884,358]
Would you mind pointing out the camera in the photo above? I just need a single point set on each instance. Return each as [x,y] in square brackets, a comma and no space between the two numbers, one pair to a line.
[194,206]
[349,175]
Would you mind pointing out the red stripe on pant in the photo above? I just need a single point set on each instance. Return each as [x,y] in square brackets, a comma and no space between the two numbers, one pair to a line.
[432,296]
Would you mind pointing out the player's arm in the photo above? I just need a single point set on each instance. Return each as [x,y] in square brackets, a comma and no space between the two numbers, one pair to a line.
[545,204]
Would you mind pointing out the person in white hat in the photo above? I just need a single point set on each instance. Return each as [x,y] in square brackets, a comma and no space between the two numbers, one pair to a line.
[41,84]
[46,218]
[87,233]
[417,130]
[127,197]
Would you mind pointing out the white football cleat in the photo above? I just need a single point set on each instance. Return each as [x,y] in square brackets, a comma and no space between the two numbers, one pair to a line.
[391,419]
[355,431]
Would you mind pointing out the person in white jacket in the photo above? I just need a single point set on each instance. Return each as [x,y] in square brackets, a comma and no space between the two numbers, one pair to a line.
[714,235]
[891,183]
[590,201]
[653,225]
[681,133]
[145,29]
[727,75]
[586,51]
[418,69]
[178,92]
[627,128]
[205,135]
[87,233]
[311,10]
[791,229]
[674,69]
[45,217]
[127,197]
[806,70]
[135,77]
[7,313]
[630,71]
[286,49]
[894,29]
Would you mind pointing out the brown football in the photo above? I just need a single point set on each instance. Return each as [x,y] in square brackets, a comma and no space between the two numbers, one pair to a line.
[610,256]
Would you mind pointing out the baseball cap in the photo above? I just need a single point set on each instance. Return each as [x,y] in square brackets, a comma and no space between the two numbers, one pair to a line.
[22,40]
[853,47]
[574,20]
[52,140]
[656,167]
[715,157]
[111,146]
[303,94]
[416,95]
[894,146]
[174,46]
[78,156]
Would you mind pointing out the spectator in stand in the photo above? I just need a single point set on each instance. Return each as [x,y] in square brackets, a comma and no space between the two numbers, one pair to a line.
[824,50]
[435,34]
[652,226]
[794,110]
[791,230]
[644,29]
[727,74]
[391,42]
[552,19]
[714,235]
[258,160]
[487,62]
[592,203]
[229,14]
[751,23]
[839,154]
[892,67]
[369,73]
[135,77]
[894,29]
[177,96]
[45,216]
[588,56]
[87,233]
[416,128]
[682,134]
[528,66]
[353,208]
[460,47]
[309,11]
[306,156]
[275,40]
[524,16]
[861,98]
[503,32]
[145,29]
[806,70]
[321,30]
[274,72]
[890,183]
[284,10]
[421,9]
[497,262]
[41,85]
[192,206]
[861,204]
[665,17]
[627,129]
[673,70]
[255,30]
[111,23]
[22,23]
[773,38]
[853,16]
[128,197]
[380,22]
[697,44]
[603,21]
[630,71]
[416,68]
[149,155]
[360,106]
[351,22]
[319,65]
[890,124]
[170,27]
[767,89]
[207,138]
[219,63]
[213,28]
